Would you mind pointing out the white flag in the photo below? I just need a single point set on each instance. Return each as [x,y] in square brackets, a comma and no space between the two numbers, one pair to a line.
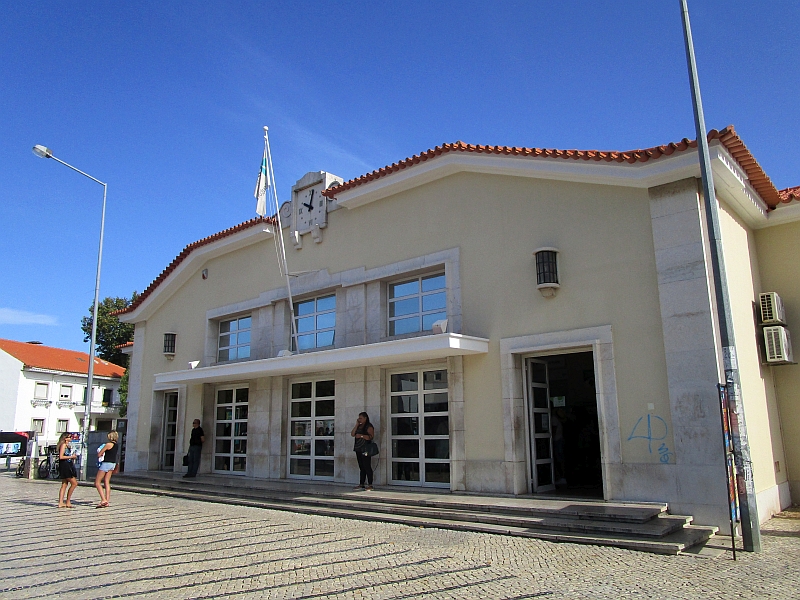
[261,187]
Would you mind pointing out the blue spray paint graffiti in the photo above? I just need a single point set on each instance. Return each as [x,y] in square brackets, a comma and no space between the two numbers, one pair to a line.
[655,431]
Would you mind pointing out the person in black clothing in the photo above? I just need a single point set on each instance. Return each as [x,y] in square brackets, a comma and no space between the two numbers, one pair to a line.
[363,432]
[195,448]
[103,480]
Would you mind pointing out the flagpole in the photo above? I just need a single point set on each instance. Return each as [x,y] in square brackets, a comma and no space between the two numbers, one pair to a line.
[280,247]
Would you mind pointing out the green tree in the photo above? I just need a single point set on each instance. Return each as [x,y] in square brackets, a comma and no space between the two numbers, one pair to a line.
[110,332]
[123,395]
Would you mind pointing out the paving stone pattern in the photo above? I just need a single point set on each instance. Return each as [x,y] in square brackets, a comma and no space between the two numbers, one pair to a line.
[158,547]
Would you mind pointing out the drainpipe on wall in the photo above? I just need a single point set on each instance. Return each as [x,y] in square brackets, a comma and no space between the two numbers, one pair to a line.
[751,534]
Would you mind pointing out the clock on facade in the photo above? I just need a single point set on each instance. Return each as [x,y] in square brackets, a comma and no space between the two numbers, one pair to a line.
[309,206]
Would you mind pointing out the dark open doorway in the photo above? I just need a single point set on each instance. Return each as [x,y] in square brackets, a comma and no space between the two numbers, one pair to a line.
[572,423]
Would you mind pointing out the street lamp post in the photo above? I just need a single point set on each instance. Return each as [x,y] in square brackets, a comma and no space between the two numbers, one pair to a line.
[43,152]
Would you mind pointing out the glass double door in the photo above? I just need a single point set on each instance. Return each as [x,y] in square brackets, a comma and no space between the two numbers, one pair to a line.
[311,429]
[230,439]
[170,430]
[540,434]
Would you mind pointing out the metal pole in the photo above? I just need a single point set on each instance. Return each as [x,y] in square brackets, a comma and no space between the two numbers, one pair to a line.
[751,533]
[87,411]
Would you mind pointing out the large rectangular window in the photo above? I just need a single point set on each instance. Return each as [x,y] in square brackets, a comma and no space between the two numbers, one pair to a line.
[65,395]
[420,428]
[230,433]
[416,304]
[311,429]
[37,425]
[40,390]
[234,339]
[316,322]
[62,426]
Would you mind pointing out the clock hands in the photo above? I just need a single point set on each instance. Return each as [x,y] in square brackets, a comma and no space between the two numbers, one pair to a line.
[310,204]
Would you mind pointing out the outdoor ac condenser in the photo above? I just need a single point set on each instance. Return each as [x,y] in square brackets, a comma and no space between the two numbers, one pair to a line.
[772,312]
[778,345]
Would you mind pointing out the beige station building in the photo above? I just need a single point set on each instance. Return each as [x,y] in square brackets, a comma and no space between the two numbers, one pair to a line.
[513,320]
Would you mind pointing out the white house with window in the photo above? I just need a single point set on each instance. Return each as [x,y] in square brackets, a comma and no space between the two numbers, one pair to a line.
[43,389]
[513,320]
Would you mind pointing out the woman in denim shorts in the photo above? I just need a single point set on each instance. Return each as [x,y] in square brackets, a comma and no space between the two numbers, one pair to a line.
[103,480]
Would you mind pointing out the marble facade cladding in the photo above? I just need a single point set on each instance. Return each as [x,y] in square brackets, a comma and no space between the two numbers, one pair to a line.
[695,483]
[135,458]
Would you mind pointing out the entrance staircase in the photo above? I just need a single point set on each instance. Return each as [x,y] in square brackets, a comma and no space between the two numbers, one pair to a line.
[637,526]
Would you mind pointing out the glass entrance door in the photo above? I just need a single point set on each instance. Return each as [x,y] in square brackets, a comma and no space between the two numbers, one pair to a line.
[420,428]
[311,419]
[170,430]
[539,427]
[230,433]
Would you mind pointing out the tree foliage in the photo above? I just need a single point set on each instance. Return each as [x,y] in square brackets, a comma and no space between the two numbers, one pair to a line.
[110,332]
[123,394]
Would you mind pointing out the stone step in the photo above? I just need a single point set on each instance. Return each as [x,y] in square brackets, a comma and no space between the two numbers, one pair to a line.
[672,542]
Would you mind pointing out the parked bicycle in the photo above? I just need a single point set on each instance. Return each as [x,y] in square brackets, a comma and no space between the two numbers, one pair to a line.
[21,466]
[49,466]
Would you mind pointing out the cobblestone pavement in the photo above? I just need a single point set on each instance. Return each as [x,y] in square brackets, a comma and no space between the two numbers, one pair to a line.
[157,547]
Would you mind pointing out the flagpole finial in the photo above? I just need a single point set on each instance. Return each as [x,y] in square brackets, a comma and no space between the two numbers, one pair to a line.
[266,128]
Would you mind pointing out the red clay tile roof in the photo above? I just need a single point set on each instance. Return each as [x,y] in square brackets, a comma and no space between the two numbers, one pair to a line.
[758,179]
[58,359]
[125,345]
[188,250]
[789,194]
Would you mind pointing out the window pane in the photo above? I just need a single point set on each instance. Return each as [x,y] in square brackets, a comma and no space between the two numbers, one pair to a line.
[326,388]
[242,394]
[223,355]
[405,448]
[405,426]
[301,409]
[402,326]
[223,429]
[404,404]
[324,408]
[325,339]
[323,448]
[300,466]
[244,323]
[224,413]
[544,474]
[305,342]
[305,324]
[233,325]
[239,463]
[435,380]
[241,413]
[435,403]
[437,448]
[222,463]
[301,428]
[323,468]
[326,320]
[222,446]
[240,446]
[404,382]
[172,429]
[539,397]
[409,306]
[225,327]
[405,471]
[436,425]
[541,422]
[232,354]
[433,282]
[240,429]
[324,428]
[304,308]
[301,448]
[326,303]
[437,472]
[243,352]
[244,337]
[399,290]
[538,372]
[301,390]
[429,320]
[542,448]
[434,301]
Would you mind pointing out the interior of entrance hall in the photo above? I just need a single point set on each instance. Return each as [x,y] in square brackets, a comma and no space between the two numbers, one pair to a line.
[573,426]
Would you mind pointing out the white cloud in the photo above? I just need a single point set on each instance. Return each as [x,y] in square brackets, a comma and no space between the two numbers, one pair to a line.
[11,316]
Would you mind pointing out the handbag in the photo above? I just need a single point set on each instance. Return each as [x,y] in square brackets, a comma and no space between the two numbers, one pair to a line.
[371,449]
[185,460]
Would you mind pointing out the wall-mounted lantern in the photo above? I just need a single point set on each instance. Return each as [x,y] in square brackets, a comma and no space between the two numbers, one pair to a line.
[169,345]
[547,271]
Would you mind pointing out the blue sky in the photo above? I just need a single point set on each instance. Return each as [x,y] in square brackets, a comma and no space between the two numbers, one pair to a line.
[166,103]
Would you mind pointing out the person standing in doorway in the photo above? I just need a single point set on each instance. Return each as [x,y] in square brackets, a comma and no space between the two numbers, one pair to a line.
[363,432]
[107,468]
[195,448]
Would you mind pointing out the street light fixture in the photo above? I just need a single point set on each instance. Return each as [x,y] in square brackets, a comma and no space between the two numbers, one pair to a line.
[43,152]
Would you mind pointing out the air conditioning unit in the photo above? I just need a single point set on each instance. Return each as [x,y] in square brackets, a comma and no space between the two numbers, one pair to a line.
[772,312]
[778,345]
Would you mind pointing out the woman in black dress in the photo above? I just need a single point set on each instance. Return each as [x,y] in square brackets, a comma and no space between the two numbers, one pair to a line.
[66,470]
[363,432]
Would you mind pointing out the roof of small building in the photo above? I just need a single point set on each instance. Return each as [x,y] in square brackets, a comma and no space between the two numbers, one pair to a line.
[57,359]
[728,137]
